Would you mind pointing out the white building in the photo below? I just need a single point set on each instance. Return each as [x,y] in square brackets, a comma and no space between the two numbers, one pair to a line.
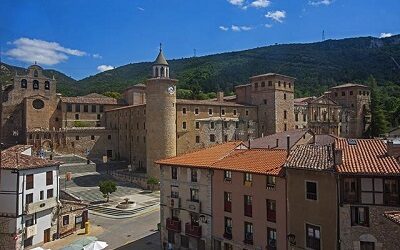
[28,198]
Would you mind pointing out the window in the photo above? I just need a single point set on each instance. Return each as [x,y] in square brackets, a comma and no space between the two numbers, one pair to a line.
[49,193]
[248,233]
[343,93]
[65,220]
[194,219]
[94,109]
[222,111]
[284,114]
[197,139]
[311,190]
[296,117]
[247,112]
[29,182]
[174,192]
[197,125]
[262,84]
[228,246]
[101,108]
[236,124]
[269,83]
[174,173]
[194,195]
[41,195]
[225,138]
[24,84]
[234,112]
[171,237]
[304,117]
[285,127]
[227,201]
[271,238]
[359,216]
[248,178]
[212,125]
[279,83]
[28,198]
[350,190]
[109,137]
[77,137]
[313,237]
[210,111]
[351,92]
[271,181]
[284,84]
[212,138]
[196,111]
[183,125]
[85,108]
[193,175]
[77,108]
[184,111]
[92,137]
[391,192]
[265,101]
[35,84]
[284,96]
[271,210]
[49,178]
[76,116]
[248,202]
[290,85]
[256,85]
[227,175]
[69,107]
[228,228]
[366,245]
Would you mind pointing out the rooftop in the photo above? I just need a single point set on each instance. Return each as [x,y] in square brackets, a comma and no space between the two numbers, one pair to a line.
[367,157]
[393,216]
[270,141]
[348,85]
[311,156]
[15,158]
[272,74]
[160,60]
[210,103]
[92,98]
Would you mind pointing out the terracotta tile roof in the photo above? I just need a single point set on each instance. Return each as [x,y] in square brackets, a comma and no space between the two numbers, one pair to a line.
[303,100]
[259,161]
[272,74]
[270,140]
[202,158]
[393,216]
[210,103]
[311,156]
[12,158]
[229,156]
[366,156]
[324,139]
[89,99]
[348,85]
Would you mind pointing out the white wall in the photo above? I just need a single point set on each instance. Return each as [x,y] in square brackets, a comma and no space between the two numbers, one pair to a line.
[8,188]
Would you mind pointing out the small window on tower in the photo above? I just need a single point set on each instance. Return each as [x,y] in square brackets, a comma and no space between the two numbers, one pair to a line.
[284,96]
[210,111]
[46,85]
[24,84]
[196,111]
[183,110]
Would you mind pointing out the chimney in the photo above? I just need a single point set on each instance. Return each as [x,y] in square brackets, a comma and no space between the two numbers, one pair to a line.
[249,144]
[287,145]
[337,156]
[277,142]
[393,149]
[220,96]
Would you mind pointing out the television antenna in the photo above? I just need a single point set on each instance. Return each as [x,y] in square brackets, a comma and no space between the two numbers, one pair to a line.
[323,35]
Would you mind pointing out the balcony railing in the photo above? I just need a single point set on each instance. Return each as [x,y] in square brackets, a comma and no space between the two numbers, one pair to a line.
[228,206]
[193,206]
[271,215]
[248,210]
[40,205]
[248,239]
[173,225]
[193,230]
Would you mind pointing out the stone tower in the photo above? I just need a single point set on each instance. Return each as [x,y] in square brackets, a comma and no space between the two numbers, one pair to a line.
[160,115]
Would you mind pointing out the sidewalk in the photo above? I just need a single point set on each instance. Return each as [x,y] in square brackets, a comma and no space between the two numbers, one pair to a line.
[60,243]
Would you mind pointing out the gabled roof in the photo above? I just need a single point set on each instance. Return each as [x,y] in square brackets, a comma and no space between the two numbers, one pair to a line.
[92,98]
[366,157]
[233,156]
[348,85]
[323,100]
[311,157]
[14,158]
[270,140]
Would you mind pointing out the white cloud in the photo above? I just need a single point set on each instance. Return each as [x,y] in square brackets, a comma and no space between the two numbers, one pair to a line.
[320,2]
[42,52]
[140,8]
[277,15]
[246,28]
[223,28]
[236,2]
[260,3]
[103,68]
[384,35]
[235,28]
[97,56]
[268,25]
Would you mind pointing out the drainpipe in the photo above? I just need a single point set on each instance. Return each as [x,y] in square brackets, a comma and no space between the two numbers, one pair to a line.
[287,145]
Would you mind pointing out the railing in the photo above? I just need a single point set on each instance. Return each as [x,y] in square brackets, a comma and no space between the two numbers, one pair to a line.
[173,225]
[248,210]
[228,206]
[193,230]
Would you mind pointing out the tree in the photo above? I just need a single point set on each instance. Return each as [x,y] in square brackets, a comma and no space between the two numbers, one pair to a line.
[379,124]
[112,94]
[107,187]
[152,181]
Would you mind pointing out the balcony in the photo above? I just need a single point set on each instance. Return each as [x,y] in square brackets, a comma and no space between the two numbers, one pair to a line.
[39,206]
[30,231]
[228,206]
[248,210]
[174,202]
[193,206]
[193,230]
[173,224]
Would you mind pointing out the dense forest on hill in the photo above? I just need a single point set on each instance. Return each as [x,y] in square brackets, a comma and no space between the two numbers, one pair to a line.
[316,66]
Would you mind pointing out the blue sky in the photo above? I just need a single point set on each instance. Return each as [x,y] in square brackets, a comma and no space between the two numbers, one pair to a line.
[81,37]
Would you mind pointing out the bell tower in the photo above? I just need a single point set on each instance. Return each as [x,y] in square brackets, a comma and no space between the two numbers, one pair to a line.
[160,115]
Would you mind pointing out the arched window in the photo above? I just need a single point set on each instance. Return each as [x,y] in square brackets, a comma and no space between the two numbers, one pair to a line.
[162,72]
[157,71]
[35,73]
[24,84]
[35,84]
[47,85]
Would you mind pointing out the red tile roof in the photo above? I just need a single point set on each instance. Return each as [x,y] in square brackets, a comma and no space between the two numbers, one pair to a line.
[311,156]
[229,156]
[270,140]
[393,216]
[89,99]
[367,156]
[12,158]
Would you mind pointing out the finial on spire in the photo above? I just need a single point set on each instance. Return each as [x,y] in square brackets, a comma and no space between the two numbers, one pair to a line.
[160,47]
[35,63]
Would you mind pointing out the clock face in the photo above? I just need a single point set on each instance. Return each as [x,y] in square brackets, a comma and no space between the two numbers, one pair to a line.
[171,90]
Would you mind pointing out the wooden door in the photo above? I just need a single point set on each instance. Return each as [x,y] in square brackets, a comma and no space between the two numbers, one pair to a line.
[46,235]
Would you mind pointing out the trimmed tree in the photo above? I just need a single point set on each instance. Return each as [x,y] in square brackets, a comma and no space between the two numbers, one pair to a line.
[107,187]
[152,181]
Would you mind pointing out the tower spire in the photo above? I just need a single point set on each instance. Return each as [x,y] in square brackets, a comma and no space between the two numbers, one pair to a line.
[160,47]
